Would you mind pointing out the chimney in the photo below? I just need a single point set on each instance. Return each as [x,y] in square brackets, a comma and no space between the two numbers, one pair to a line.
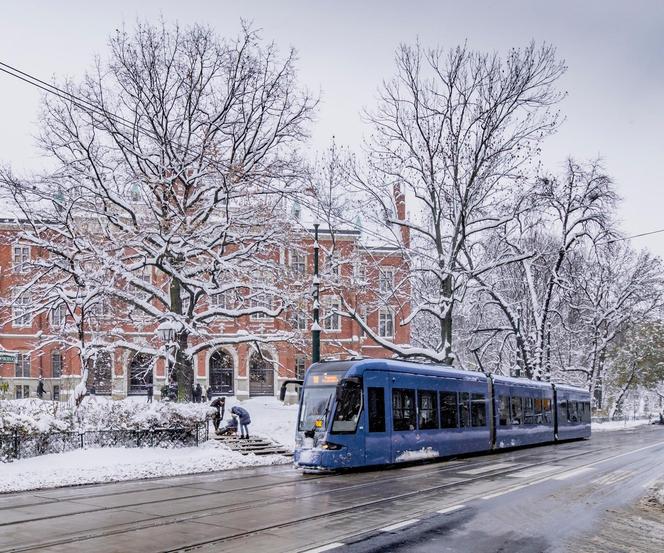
[400,203]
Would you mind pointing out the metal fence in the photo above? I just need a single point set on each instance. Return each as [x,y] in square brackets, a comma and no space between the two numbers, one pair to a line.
[21,446]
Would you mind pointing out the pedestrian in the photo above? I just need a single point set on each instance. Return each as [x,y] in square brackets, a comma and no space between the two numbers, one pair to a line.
[199,392]
[245,420]
[220,405]
[231,427]
[40,388]
[208,393]
[150,392]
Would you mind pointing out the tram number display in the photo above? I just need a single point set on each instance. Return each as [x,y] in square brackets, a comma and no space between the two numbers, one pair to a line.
[325,379]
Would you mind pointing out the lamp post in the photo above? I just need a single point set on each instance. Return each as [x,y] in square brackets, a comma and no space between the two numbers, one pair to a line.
[315,327]
[166,332]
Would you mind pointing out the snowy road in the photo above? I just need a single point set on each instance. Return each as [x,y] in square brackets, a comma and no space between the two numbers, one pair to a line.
[570,497]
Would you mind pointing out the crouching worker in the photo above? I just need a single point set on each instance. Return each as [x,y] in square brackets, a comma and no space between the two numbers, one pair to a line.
[245,420]
[230,429]
[219,405]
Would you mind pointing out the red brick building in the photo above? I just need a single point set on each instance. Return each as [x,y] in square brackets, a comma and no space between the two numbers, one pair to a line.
[229,369]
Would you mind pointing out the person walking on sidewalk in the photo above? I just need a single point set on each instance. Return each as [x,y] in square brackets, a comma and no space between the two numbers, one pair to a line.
[150,391]
[245,420]
[40,388]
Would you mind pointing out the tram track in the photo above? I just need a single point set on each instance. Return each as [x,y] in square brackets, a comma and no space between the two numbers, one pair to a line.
[194,515]
[434,469]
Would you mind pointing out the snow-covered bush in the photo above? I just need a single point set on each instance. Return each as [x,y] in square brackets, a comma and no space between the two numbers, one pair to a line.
[31,416]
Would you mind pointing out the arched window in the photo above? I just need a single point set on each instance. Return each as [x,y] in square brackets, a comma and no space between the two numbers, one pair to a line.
[221,372]
[261,374]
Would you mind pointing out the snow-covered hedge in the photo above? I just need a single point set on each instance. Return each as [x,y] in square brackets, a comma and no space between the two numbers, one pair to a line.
[33,416]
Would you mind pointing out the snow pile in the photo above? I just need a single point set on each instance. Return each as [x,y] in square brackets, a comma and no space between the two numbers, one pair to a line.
[90,466]
[616,425]
[418,455]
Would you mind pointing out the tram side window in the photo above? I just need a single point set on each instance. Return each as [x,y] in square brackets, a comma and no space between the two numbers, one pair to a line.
[517,410]
[587,412]
[564,413]
[403,409]
[428,409]
[528,411]
[376,399]
[537,402]
[448,410]
[504,410]
[546,410]
[572,412]
[477,410]
[464,409]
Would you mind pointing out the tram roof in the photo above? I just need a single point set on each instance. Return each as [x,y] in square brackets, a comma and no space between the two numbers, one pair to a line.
[357,368]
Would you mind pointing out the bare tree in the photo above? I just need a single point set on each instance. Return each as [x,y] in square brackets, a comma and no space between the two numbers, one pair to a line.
[458,131]
[182,147]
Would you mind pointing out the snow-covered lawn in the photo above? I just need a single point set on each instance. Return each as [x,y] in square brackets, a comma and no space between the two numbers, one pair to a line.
[616,425]
[270,418]
[88,466]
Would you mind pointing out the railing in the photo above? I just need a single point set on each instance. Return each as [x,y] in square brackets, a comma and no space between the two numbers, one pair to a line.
[20,446]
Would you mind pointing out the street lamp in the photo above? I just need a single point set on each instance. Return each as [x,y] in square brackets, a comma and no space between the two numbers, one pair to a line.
[166,332]
[315,327]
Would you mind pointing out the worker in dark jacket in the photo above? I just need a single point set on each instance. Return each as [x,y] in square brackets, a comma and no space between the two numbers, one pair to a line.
[245,420]
[208,393]
[220,405]
[230,428]
[198,393]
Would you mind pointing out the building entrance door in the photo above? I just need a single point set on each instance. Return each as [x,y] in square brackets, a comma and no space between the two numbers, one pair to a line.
[221,373]
[261,375]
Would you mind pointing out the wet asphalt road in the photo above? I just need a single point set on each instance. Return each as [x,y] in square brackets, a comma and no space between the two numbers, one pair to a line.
[578,496]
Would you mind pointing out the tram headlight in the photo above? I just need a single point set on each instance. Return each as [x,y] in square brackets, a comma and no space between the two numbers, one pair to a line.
[330,446]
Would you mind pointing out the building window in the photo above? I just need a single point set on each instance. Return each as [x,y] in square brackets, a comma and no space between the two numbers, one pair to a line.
[300,366]
[22,365]
[145,276]
[58,315]
[261,301]
[226,300]
[297,211]
[56,363]
[364,315]
[298,263]
[22,391]
[300,320]
[99,309]
[331,317]
[386,323]
[386,281]
[56,392]
[21,315]
[21,258]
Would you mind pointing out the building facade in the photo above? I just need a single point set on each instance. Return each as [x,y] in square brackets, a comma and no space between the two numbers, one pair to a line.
[243,370]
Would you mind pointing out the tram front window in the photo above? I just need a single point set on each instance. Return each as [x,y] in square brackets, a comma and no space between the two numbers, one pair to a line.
[315,404]
[349,405]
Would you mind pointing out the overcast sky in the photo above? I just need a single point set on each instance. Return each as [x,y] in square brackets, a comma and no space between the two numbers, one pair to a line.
[614,51]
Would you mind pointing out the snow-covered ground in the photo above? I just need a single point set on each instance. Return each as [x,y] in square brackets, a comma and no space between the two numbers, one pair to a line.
[616,425]
[88,466]
[270,418]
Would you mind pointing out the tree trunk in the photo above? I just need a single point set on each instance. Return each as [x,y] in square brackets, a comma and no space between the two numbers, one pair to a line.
[446,323]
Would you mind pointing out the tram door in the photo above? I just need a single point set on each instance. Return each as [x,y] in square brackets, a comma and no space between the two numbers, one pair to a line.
[376,425]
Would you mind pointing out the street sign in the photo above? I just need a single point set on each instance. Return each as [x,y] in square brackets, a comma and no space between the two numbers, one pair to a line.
[7,357]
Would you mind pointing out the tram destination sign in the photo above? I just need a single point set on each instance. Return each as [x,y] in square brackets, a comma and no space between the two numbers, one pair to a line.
[7,357]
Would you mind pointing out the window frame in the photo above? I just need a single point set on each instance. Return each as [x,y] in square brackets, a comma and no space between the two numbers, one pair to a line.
[404,393]
[21,316]
[433,410]
[21,266]
[441,403]
[383,320]
[374,407]
[386,278]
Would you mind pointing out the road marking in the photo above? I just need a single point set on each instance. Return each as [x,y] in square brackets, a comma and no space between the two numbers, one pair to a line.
[503,492]
[327,547]
[450,509]
[399,525]
[571,473]
[496,466]
[434,466]
[534,471]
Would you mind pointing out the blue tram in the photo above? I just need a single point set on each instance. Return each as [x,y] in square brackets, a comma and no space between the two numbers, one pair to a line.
[377,411]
